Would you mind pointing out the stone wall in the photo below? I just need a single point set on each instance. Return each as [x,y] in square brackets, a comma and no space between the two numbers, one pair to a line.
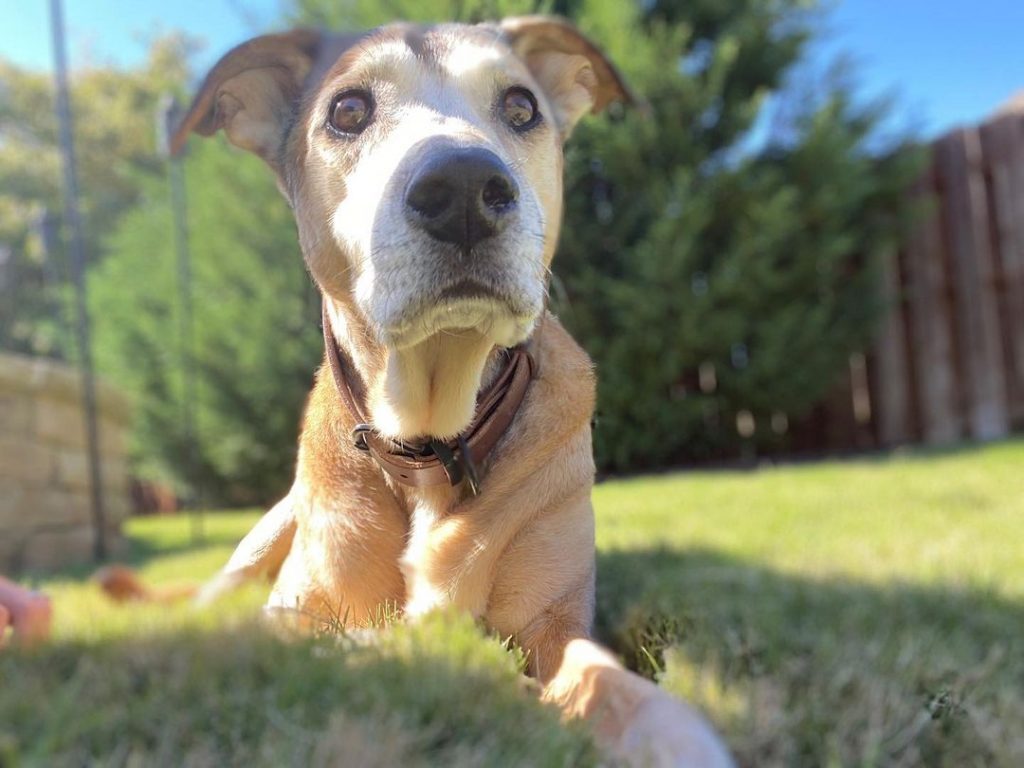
[45,509]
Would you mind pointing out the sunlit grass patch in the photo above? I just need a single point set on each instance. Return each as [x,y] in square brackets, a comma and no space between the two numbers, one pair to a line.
[868,612]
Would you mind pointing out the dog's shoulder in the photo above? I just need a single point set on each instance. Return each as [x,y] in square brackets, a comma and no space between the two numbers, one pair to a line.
[560,403]
[562,363]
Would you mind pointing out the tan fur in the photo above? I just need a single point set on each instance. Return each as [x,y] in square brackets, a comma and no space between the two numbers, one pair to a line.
[347,540]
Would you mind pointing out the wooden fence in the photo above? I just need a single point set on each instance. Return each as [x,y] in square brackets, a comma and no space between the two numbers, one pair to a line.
[949,362]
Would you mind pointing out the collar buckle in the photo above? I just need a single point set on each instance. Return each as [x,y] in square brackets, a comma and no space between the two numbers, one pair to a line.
[359,433]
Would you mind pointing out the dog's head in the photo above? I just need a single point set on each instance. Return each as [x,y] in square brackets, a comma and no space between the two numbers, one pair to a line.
[424,164]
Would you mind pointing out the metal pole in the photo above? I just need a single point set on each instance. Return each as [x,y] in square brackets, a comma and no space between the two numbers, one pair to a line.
[45,227]
[178,205]
[167,118]
[77,244]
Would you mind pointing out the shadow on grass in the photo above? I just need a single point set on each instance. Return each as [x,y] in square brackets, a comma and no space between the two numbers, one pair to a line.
[856,673]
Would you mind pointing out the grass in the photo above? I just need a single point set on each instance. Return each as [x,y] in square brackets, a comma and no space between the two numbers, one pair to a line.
[855,613]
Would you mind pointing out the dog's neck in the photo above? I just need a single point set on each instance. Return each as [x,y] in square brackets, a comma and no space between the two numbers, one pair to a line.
[426,390]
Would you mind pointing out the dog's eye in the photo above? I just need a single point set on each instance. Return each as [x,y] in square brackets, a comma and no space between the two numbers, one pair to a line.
[351,111]
[519,108]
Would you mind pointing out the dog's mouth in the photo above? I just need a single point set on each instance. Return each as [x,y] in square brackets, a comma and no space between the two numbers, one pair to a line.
[470,290]
[464,307]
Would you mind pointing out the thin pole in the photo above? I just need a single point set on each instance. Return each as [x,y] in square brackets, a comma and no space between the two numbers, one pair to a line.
[179,206]
[167,118]
[54,277]
[76,242]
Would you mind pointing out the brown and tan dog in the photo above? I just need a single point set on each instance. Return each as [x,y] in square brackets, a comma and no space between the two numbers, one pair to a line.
[437,468]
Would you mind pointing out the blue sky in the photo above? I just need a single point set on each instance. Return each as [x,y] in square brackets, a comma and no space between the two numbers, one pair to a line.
[946,62]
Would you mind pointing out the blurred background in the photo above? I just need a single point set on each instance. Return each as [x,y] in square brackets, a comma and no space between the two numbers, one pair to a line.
[813,245]
[806,261]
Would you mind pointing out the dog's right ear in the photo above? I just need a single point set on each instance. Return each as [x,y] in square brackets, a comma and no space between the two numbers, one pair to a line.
[253,92]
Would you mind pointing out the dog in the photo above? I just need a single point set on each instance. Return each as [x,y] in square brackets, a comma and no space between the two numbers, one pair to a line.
[445,460]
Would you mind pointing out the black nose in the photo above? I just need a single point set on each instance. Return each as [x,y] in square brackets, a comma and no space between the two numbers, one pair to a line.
[461,196]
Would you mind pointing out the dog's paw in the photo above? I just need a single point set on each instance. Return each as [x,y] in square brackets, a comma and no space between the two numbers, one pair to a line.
[633,720]
[665,732]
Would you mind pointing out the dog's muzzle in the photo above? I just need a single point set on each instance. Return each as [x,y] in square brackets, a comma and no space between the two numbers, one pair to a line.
[461,196]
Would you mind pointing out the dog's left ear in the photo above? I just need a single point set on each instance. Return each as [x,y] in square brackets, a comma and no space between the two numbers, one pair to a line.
[575,74]
[252,93]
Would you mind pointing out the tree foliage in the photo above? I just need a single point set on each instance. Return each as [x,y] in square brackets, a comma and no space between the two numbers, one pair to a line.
[114,138]
[255,340]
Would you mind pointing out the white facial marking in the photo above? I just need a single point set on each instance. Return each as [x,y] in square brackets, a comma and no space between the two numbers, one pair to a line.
[400,272]
[389,54]
[468,57]
[422,596]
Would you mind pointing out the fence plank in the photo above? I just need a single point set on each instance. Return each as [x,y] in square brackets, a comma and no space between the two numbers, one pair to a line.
[1003,148]
[1013,263]
[931,323]
[892,410]
[978,328]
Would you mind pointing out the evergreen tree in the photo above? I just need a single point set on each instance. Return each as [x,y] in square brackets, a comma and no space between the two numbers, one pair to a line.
[256,340]
[114,139]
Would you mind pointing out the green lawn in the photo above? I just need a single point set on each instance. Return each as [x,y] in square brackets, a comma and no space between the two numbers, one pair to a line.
[856,613]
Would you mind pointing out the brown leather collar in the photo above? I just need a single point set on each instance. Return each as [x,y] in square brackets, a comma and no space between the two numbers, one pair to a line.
[434,462]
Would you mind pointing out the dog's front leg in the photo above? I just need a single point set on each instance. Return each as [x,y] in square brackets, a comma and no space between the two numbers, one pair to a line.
[632,719]
[342,570]
[259,554]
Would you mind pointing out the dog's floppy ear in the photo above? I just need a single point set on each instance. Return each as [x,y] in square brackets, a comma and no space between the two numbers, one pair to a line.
[575,74]
[252,93]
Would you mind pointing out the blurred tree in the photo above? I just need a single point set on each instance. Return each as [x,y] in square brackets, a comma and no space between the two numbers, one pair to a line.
[366,14]
[256,338]
[114,135]
[256,347]
[725,276]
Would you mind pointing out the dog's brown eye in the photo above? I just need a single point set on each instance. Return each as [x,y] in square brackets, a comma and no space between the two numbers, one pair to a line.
[519,108]
[351,111]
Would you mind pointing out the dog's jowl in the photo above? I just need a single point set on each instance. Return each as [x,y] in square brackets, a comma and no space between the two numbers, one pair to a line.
[445,457]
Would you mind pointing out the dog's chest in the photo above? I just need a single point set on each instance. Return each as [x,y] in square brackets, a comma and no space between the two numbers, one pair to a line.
[423,593]
[445,561]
